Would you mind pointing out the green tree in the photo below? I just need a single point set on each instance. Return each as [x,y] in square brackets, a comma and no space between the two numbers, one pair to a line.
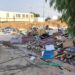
[67,8]
[35,14]
[48,18]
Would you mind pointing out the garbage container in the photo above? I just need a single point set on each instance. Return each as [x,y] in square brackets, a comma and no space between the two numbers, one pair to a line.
[49,52]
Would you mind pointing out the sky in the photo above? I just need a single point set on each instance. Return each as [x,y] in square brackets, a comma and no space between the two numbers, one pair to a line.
[37,6]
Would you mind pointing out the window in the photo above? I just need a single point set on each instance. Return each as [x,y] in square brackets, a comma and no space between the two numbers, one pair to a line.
[18,15]
[26,16]
[32,16]
[23,15]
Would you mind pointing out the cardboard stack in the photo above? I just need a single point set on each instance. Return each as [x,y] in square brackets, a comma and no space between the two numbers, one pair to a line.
[68,43]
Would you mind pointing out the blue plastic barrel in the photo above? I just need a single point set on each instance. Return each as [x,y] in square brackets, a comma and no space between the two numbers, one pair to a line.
[48,54]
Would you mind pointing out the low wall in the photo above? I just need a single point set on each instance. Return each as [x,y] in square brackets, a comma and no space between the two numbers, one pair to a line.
[28,25]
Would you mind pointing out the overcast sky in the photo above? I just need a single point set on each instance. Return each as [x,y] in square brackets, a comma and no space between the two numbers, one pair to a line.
[37,6]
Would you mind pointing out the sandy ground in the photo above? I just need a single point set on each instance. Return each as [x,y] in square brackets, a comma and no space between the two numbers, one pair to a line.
[12,63]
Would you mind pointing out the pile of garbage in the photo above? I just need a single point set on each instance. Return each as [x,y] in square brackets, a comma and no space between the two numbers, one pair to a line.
[43,49]
[58,44]
[64,48]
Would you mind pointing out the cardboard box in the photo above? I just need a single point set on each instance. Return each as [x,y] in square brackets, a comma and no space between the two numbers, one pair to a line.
[42,31]
[68,43]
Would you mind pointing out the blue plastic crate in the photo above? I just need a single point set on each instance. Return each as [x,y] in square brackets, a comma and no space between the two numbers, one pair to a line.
[72,49]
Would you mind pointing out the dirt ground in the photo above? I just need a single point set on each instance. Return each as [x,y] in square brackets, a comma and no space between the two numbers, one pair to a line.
[13,62]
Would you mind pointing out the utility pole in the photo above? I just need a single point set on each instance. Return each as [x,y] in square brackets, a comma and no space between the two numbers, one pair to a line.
[0,22]
[43,9]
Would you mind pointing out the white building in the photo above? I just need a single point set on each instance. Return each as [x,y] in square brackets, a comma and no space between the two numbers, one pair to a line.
[16,16]
[40,19]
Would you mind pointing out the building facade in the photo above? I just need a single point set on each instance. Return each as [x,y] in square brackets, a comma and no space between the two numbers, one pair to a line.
[16,16]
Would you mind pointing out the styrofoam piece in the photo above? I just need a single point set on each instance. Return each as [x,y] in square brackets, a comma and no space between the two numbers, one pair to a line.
[32,58]
[49,47]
